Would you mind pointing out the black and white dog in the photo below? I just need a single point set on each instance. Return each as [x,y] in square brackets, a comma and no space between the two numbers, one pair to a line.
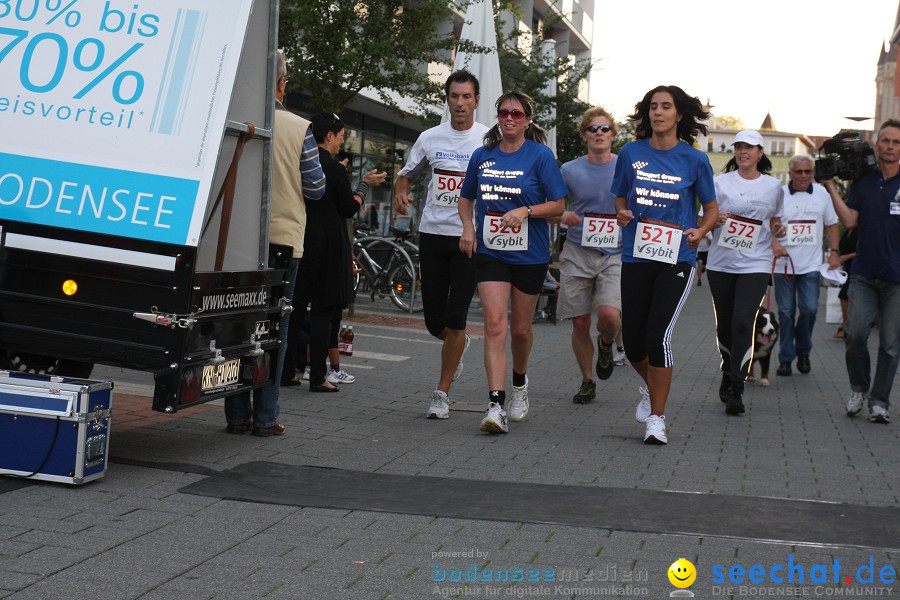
[764,338]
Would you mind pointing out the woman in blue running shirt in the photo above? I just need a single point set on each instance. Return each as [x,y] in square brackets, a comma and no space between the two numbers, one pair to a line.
[513,183]
[657,181]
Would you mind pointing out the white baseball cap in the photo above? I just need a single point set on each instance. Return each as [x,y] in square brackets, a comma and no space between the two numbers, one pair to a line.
[748,136]
[835,277]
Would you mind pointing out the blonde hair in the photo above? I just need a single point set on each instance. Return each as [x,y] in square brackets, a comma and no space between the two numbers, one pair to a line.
[591,114]
[534,132]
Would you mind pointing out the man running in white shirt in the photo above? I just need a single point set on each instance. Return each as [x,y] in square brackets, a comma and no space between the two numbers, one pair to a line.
[442,154]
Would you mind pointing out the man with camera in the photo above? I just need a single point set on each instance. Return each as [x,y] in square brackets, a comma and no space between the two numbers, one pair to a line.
[874,292]
[807,207]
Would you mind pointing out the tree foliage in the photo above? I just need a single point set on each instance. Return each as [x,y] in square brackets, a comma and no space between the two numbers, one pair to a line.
[624,133]
[525,66]
[730,122]
[335,48]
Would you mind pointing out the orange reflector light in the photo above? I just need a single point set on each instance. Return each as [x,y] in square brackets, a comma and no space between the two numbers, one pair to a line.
[399,287]
[69,287]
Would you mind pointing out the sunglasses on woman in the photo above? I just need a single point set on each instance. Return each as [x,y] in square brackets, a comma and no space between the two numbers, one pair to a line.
[596,128]
[515,114]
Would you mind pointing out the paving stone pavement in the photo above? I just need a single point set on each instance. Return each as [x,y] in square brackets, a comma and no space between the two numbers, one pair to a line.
[132,534]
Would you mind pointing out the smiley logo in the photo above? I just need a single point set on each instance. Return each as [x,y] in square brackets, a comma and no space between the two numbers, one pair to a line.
[682,573]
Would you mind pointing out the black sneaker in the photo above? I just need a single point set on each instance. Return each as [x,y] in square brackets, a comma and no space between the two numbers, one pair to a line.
[735,405]
[604,359]
[725,388]
[784,369]
[803,364]
[586,393]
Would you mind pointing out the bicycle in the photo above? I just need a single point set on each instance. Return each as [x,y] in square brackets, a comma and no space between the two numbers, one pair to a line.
[387,267]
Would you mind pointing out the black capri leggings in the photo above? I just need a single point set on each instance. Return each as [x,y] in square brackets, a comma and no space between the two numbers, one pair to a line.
[653,295]
[736,300]
[448,282]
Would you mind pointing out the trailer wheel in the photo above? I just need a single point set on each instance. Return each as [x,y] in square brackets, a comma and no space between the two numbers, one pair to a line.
[23,362]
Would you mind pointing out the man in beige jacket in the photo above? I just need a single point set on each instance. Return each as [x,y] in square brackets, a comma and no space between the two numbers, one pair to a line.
[296,177]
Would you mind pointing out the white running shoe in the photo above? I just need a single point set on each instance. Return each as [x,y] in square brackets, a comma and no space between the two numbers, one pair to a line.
[643,408]
[459,366]
[619,360]
[306,373]
[855,403]
[879,414]
[656,430]
[494,420]
[439,407]
[518,406]
[339,376]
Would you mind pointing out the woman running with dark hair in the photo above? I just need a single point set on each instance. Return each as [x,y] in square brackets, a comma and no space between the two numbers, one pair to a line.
[657,180]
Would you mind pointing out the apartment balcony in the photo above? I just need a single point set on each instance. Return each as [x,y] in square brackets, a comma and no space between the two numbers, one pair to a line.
[576,20]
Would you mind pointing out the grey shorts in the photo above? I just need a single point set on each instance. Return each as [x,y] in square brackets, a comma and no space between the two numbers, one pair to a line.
[588,279]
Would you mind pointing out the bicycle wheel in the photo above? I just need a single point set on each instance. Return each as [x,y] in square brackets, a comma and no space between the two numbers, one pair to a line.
[356,274]
[400,280]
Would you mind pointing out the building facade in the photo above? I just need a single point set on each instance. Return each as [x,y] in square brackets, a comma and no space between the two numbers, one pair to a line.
[780,146]
[887,80]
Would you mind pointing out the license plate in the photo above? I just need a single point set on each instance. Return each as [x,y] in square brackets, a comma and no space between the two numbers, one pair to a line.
[227,373]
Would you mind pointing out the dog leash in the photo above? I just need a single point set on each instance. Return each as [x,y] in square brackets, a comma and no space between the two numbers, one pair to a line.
[789,277]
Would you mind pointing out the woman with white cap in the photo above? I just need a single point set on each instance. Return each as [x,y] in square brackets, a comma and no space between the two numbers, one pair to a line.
[740,257]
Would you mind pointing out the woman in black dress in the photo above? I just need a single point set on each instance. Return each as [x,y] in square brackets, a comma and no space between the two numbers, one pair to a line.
[325,269]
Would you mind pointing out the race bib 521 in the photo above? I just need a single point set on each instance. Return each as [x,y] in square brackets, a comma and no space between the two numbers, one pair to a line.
[657,241]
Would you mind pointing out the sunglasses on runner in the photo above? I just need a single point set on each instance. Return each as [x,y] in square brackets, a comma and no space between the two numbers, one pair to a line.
[515,114]
[596,128]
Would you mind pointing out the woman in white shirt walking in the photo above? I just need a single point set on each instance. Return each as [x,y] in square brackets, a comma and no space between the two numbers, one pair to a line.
[740,257]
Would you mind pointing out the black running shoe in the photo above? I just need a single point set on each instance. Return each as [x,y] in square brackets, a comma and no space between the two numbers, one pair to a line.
[725,388]
[586,393]
[735,405]
[605,357]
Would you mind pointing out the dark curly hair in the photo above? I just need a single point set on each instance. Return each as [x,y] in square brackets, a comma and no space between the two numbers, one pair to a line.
[689,107]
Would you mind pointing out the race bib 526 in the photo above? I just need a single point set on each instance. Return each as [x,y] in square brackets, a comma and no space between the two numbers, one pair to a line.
[498,236]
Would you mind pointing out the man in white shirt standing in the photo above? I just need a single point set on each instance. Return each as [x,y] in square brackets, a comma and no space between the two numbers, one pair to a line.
[442,154]
[808,210]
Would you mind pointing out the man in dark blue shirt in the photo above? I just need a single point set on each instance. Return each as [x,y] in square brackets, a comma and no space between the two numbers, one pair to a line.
[874,292]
